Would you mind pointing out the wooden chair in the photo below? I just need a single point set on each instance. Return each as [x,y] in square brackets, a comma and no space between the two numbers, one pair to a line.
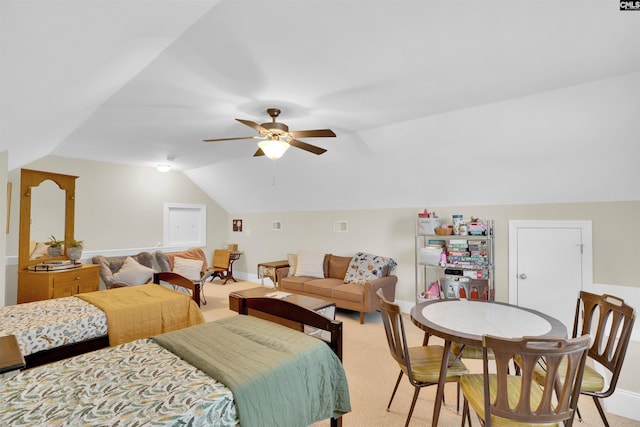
[220,265]
[610,321]
[518,400]
[420,364]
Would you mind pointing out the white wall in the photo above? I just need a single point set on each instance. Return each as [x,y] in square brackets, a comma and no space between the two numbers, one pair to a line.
[390,232]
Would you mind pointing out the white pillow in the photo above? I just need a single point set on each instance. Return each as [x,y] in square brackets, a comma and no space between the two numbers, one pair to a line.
[293,260]
[189,268]
[39,251]
[310,264]
[133,273]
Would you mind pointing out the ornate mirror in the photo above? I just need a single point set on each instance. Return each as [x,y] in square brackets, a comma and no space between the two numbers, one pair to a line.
[47,206]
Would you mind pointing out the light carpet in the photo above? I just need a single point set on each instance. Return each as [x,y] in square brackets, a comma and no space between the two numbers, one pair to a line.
[372,372]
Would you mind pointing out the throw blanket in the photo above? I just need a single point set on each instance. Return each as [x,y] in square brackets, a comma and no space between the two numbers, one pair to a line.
[278,376]
[135,312]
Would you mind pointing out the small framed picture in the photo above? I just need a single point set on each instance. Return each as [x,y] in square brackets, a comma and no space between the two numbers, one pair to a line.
[237,225]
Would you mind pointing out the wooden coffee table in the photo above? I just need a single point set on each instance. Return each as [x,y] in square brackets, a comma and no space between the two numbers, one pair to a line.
[326,308]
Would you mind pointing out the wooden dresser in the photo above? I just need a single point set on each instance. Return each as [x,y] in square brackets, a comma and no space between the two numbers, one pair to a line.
[41,285]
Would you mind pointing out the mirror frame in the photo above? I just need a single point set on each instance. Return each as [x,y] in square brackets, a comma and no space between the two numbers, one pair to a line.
[33,178]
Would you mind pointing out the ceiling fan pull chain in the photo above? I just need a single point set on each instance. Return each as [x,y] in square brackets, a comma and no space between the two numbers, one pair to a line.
[275,170]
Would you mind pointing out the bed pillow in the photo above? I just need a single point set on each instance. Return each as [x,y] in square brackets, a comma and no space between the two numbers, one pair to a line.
[310,264]
[189,268]
[292,259]
[133,273]
[365,267]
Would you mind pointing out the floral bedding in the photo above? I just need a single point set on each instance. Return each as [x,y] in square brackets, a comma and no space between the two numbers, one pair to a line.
[153,387]
[47,324]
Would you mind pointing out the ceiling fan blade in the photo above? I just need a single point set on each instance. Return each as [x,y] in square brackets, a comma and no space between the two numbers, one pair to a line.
[318,133]
[229,139]
[258,153]
[307,147]
[254,126]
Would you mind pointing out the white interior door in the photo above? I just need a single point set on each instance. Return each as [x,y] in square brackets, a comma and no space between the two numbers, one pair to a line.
[549,263]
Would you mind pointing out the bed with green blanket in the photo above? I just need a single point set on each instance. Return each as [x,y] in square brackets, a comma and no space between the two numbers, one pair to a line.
[241,370]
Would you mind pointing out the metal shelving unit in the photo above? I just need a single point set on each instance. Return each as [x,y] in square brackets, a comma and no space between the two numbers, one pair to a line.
[477,264]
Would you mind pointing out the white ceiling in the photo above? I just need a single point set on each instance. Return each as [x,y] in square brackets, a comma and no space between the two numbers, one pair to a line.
[432,101]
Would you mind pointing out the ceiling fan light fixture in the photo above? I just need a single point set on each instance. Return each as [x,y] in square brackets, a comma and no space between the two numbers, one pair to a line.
[273,148]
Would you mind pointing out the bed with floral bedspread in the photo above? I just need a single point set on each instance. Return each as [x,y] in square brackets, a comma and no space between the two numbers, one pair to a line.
[48,324]
[54,329]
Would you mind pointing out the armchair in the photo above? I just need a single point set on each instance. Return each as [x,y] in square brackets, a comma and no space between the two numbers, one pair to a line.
[113,275]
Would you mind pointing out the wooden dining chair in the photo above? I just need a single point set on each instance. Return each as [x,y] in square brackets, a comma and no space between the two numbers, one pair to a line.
[610,321]
[518,400]
[420,364]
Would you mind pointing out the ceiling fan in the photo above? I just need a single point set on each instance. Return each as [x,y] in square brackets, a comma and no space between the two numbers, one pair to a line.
[276,137]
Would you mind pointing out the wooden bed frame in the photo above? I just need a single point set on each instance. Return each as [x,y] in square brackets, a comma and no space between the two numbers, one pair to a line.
[64,352]
[294,316]
[75,349]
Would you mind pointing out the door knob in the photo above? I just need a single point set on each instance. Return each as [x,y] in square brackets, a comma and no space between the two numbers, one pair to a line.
[523,276]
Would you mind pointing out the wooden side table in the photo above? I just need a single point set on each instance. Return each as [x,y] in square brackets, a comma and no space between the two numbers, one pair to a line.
[233,257]
[268,269]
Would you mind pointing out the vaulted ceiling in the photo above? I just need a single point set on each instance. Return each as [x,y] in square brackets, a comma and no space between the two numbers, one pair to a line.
[433,102]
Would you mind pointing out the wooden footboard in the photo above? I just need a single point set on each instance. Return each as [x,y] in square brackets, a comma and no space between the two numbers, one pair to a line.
[294,316]
[65,351]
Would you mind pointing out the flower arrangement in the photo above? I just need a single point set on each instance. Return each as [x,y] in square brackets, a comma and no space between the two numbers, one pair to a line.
[73,243]
[73,247]
[54,243]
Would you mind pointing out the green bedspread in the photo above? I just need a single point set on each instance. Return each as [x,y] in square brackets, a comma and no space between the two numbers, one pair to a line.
[278,376]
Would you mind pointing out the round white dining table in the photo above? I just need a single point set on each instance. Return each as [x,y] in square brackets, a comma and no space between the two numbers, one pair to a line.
[466,322]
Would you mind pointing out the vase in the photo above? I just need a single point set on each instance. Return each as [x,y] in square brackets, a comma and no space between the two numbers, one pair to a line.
[54,251]
[74,253]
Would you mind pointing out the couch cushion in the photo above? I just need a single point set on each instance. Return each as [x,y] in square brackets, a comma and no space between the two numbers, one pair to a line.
[292,283]
[338,266]
[310,264]
[322,287]
[349,292]
[365,267]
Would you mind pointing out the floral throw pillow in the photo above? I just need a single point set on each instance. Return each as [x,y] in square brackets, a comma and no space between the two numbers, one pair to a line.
[365,267]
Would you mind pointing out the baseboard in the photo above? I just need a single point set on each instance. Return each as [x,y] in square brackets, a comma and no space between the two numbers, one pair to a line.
[624,403]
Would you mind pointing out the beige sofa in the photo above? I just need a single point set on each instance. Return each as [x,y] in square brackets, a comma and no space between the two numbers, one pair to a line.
[332,287]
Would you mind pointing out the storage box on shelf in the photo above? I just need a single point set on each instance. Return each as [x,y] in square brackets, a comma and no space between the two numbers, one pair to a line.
[468,257]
